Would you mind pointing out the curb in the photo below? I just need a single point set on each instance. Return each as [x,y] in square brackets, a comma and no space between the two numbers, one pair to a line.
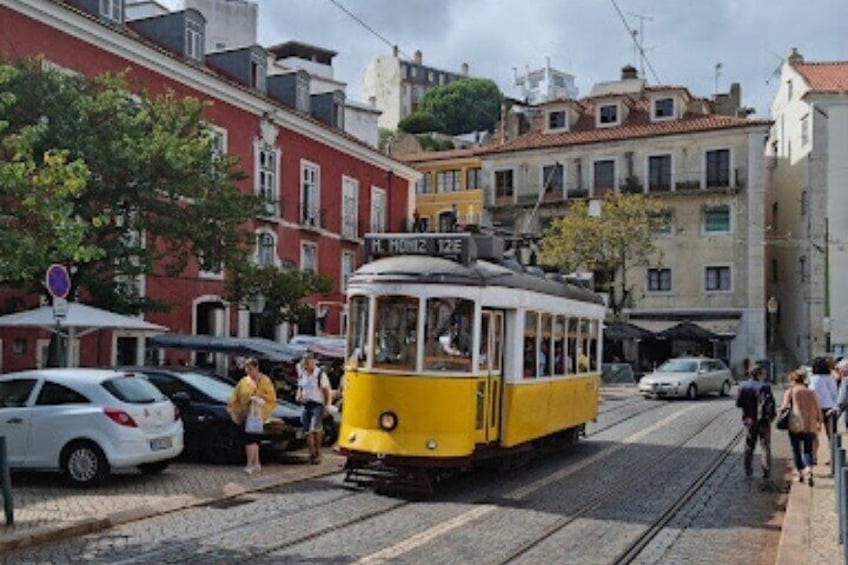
[15,541]
[793,548]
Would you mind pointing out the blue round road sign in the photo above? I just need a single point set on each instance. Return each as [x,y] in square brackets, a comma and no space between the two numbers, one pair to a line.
[58,281]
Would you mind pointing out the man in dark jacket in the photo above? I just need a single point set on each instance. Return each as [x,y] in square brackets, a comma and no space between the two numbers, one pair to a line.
[758,410]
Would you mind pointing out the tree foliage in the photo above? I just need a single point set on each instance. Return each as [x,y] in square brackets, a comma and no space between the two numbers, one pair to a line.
[432,143]
[144,190]
[420,122]
[621,237]
[462,106]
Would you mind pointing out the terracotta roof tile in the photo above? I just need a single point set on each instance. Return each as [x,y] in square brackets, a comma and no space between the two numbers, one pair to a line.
[438,155]
[825,77]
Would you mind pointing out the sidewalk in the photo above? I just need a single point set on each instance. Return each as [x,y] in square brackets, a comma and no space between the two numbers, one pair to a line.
[45,509]
[809,533]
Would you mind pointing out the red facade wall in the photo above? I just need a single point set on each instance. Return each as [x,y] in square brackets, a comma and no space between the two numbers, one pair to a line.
[25,37]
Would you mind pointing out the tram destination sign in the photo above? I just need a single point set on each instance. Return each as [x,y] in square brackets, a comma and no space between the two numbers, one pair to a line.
[457,246]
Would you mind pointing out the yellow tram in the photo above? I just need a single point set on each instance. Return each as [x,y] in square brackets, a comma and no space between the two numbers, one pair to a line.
[456,356]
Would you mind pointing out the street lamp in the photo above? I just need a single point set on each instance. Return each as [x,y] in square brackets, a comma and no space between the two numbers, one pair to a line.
[771,308]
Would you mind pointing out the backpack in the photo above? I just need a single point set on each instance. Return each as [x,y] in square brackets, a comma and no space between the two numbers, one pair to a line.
[766,407]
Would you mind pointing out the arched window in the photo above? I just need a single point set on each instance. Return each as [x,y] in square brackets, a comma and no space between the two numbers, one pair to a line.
[266,249]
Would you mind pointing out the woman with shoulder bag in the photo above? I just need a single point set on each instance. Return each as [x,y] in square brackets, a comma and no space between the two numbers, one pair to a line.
[804,423]
[250,405]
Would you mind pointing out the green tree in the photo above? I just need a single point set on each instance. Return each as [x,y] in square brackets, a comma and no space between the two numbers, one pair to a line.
[608,244]
[157,193]
[464,105]
[430,143]
[420,122]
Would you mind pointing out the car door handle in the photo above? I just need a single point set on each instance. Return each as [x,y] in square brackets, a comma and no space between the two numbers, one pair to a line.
[14,420]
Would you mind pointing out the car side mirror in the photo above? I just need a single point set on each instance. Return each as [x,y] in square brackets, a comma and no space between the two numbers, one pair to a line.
[180,398]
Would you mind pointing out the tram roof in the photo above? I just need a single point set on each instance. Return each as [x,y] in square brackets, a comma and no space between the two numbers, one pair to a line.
[436,270]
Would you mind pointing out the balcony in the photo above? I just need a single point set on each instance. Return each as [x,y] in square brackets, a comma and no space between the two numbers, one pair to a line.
[271,208]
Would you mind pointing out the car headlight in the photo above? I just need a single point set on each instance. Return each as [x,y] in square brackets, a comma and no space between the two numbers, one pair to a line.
[388,421]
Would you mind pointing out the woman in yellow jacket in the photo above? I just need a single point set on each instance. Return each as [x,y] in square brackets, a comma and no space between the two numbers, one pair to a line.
[254,394]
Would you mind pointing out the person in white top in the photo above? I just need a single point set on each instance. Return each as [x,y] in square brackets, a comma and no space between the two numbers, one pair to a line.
[825,388]
[313,391]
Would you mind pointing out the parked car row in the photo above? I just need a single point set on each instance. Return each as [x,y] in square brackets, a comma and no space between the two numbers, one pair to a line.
[85,422]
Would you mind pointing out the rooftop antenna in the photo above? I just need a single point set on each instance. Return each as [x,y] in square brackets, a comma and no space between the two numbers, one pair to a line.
[640,39]
[717,74]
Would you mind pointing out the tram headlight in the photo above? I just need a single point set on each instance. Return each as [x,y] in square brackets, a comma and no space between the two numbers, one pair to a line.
[388,421]
[432,444]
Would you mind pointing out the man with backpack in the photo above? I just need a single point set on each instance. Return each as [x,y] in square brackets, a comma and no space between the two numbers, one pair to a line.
[758,411]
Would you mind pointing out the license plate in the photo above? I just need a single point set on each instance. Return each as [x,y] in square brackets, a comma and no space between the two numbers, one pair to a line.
[160,443]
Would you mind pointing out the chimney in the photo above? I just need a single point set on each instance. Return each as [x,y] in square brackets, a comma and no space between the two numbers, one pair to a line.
[395,51]
[629,72]
[463,70]
[418,57]
[795,57]
[735,94]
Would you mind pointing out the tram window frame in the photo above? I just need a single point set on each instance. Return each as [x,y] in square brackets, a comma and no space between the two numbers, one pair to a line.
[358,351]
[572,336]
[585,330]
[407,324]
[456,355]
[483,358]
[594,346]
[531,333]
[545,339]
[559,346]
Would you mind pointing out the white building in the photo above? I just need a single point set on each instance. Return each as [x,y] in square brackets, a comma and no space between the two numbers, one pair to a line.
[545,84]
[230,24]
[394,86]
[808,206]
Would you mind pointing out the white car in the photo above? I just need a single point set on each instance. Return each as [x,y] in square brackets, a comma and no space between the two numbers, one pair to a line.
[87,421]
[687,377]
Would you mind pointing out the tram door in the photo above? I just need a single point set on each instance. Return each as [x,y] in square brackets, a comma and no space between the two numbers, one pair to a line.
[491,357]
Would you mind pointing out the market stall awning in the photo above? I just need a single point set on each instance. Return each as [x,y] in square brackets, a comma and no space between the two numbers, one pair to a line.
[687,330]
[80,318]
[245,346]
[618,331]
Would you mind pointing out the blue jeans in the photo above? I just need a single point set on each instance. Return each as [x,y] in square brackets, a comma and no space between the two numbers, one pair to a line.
[313,413]
[802,448]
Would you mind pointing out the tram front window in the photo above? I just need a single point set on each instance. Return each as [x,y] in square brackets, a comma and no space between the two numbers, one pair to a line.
[395,328]
[447,334]
[357,333]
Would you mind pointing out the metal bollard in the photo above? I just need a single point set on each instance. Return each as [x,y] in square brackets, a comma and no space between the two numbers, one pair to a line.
[841,494]
[6,479]
[838,464]
[843,504]
[831,422]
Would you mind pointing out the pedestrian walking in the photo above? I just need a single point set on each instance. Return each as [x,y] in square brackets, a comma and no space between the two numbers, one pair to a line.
[842,390]
[822,383]
[251,403]
[313,390]
[804,423]
[756,401]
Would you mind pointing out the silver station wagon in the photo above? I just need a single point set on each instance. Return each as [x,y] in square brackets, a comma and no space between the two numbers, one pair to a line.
[687,377]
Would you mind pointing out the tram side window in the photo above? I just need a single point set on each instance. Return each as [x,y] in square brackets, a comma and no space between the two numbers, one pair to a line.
[395,328]
[593,345]
[357,334]
[530,356]
[447,334]
[483,357]
[571,350]
[584,354]
[559,346]
[545,346]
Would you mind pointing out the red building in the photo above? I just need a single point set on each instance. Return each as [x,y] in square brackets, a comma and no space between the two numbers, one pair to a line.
[324,188]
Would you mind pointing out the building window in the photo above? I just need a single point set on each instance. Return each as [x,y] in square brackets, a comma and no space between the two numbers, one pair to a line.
[266,249]
[111,10]
[474,179]
[308,257]
[805,130]
[775,273]
[718,168]
[447,181]
[310,194]
[19,345]
[378,210]
[552,179]
[717,219]
[789,89]
[663,108]
[266,178]
[659,173]
[431,77]
[556,120]
[717,279]
[659,280]
[350,207]
[503,184]
[423,186]
[664,225]
[604,177]
[348,262]
[608,114]
[218,139]
[194,40]
[301,93]
[257,72]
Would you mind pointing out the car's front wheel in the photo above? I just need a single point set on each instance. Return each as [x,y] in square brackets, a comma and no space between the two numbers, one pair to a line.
[725,388]
[692,392]
[84,464]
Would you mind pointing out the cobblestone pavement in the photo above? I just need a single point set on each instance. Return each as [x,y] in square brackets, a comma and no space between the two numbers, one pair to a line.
[631,457]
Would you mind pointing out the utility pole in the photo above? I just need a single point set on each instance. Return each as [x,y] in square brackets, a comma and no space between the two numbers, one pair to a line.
[640,41]
[717,74]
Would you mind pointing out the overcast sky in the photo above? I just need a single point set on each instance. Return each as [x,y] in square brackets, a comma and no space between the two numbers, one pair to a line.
[683,39]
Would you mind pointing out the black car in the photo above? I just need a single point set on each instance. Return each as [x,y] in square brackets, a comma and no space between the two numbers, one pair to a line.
[209,431]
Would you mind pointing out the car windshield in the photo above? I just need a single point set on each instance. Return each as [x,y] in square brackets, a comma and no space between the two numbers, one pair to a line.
[678,366]
[133,390]
[211,387]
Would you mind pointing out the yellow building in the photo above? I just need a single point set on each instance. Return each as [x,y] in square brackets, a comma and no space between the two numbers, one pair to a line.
[450,194]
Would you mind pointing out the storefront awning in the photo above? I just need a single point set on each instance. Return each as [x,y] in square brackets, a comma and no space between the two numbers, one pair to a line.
[724,327]
[619,331]
[687,330]
[655,326]
[252,346]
